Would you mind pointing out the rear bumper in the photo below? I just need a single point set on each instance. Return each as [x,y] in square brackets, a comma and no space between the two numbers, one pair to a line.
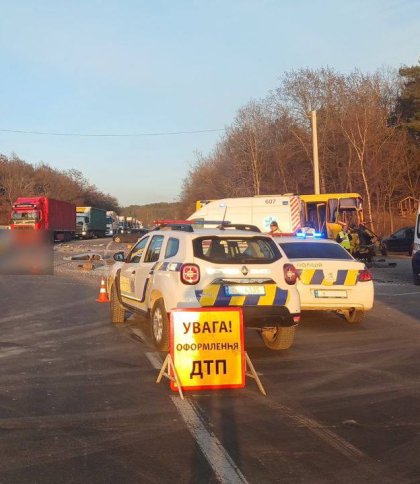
[359,296]
[335,307]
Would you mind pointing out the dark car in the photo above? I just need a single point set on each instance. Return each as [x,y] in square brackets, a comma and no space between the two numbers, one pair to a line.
[400,241]
[129,237]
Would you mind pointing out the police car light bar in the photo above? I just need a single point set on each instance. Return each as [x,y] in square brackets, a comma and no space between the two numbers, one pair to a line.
[304,235]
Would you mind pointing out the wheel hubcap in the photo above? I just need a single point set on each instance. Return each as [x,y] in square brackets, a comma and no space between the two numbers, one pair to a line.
[158,325]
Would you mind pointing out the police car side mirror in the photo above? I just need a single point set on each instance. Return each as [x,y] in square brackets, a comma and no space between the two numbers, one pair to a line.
[119,257]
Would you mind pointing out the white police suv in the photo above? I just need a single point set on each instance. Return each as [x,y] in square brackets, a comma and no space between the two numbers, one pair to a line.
[329,277]
[179,266]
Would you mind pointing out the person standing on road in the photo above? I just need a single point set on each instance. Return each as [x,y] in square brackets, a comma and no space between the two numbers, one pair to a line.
[343,237]
[354,242]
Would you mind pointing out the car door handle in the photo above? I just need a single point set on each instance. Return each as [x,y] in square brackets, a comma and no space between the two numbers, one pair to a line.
[133,272]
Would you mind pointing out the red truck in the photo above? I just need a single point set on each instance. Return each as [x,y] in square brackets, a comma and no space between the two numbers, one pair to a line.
[42,213]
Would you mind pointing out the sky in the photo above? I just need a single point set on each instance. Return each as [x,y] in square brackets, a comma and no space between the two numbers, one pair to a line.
[146,67]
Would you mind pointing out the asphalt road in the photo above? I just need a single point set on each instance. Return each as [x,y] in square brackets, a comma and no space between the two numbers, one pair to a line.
[79,402]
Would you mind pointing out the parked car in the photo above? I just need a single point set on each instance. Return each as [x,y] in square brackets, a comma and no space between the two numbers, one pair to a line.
[400,241]
[129,237]
[329,277]
[178,268]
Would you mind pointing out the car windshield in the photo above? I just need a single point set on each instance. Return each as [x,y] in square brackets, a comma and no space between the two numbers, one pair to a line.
[236,250]
[81,219]
[25,215]
[314,250]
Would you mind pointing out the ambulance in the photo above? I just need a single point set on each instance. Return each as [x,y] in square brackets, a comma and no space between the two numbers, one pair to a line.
[260,211]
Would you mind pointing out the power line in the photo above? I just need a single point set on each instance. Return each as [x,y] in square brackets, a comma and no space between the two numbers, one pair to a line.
[111,135]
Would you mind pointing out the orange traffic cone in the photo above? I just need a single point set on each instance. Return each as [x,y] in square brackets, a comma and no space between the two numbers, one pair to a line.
[103,296]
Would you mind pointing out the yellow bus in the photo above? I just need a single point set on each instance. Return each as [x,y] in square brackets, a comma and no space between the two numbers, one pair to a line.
[327,211]
[200,204]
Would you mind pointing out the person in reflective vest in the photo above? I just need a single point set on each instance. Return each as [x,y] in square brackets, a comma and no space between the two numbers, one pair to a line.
[343,237]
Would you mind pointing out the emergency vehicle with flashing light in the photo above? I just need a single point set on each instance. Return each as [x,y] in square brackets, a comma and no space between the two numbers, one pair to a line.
[260,210]
[329,277]
[179,265]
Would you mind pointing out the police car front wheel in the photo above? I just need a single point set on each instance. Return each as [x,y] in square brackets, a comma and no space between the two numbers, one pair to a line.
[160,326]
[278,338]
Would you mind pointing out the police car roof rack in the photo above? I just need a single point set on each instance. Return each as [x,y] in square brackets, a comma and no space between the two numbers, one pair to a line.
[247,227]
[223,224]
[182,225]
[188,225]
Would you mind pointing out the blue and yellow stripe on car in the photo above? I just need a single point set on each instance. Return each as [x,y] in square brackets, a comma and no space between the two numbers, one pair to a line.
[215,295]
[169,266]
[345,277]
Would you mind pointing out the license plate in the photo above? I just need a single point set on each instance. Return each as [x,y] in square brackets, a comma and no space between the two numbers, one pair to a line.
[330,293]
[245,290]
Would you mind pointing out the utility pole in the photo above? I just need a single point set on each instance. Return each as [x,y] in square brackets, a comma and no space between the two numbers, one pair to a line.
[315,152]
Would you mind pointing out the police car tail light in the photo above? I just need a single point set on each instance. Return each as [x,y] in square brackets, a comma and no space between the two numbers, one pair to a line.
[290,274]
[190,274]
[365,275]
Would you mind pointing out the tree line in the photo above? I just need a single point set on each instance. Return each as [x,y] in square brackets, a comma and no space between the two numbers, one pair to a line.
[151,212]
[368,139]
[21,179]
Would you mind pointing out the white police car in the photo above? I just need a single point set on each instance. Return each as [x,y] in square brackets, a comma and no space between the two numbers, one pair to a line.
[184,267]
[329,277]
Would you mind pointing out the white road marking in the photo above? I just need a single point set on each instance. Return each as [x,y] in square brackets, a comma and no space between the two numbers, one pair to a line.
[107,247]
[331,438]
[140,333]
[220,461]
[155,360]
[47,310]
[398,294]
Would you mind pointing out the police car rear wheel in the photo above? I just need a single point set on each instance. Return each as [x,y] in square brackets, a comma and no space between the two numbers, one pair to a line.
[117,309]
[354,316]
[160,326]
[279,338]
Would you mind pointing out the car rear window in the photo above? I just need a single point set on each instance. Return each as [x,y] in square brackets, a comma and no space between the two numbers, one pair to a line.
[236,250]
[314,250]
